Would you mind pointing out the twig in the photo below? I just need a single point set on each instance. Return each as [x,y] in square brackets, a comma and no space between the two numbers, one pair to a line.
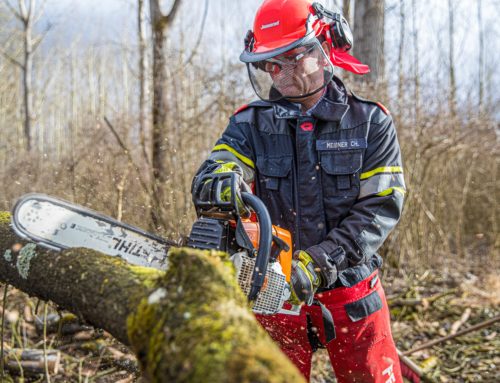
[476,327]
[120,188]
[46,362]
[128,153]
[200,35]
[419,301]
[13,60]
[414,367]
[154,192]
[459,323]
[2,331]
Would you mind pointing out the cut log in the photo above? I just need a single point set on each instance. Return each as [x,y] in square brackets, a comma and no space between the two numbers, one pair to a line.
[31,361]
[68,324]
[188,324]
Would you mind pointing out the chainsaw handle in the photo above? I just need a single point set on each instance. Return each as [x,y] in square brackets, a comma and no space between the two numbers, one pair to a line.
[265,242]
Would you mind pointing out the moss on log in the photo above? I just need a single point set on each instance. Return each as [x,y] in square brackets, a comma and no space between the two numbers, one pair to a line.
[188,324]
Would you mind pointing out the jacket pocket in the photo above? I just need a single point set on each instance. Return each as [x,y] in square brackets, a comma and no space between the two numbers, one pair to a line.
[364,307]
[341,172]
[273,171]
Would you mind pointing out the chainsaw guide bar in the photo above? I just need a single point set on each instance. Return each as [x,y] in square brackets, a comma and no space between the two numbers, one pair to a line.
[57,225]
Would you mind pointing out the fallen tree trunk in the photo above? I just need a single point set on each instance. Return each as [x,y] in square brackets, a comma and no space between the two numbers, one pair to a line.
[188,324]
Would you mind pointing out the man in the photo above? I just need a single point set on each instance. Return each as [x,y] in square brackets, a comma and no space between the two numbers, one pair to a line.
[328,167]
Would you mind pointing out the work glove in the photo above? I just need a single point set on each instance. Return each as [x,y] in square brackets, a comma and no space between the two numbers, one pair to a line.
[330,260]
[305,279]
[241,186]
[225,194]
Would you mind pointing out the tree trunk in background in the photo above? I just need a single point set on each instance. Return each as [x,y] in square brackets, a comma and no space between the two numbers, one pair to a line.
[143,79]
[25,14]
[481,56]
[181,330]
[159,29]
[28,70]
[401,76]
[416,69]
[451,58]
[368,30]
[346,10]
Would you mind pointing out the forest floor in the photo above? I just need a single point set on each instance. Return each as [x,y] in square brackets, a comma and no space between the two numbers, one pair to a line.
[423,307]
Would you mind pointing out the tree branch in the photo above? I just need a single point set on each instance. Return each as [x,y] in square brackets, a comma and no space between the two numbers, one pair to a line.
[173,11]
[12,60]
[40,38]
[128,153]
[23,11]
[200,35]
[13,11]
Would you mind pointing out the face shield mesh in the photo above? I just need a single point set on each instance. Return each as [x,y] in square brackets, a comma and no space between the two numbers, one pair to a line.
[295,74]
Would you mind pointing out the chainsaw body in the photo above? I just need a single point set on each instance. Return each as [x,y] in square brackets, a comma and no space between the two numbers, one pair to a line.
[219,234]
[260,252]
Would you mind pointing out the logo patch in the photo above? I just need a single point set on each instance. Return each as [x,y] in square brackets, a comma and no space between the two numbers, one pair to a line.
[307,126]
[347,144]
[270,25]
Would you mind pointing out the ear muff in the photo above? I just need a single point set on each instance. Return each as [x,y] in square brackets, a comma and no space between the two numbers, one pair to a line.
[340,31]
[249,41]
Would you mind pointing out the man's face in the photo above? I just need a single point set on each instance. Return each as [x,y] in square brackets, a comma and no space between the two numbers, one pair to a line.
[297,72]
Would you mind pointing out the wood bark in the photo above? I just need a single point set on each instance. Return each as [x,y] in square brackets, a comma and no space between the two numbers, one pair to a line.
[188,324]
[368,33]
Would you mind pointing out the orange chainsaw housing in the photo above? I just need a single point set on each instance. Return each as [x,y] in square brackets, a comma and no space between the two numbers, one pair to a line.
[285,257]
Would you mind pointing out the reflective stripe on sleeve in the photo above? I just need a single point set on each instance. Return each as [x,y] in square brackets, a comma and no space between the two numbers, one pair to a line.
[382,184]
[391,190]
[384,169]
[247,161]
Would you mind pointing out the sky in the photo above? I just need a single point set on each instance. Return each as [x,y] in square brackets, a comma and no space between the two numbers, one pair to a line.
[113,22]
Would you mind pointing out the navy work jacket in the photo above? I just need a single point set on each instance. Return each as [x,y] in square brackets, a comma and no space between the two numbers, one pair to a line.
[332,175]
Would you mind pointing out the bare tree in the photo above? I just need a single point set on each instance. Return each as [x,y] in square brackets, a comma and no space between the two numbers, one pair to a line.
[416,70]
[451,57]
[25,13]
[346,10]
[401,76]
[481,55]
[160,23]
[143,77]
[369,36]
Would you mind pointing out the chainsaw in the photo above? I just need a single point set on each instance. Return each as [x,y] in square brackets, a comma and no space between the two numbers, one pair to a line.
[261,252]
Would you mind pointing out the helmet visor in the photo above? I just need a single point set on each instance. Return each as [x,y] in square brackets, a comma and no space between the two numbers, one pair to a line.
[294,74]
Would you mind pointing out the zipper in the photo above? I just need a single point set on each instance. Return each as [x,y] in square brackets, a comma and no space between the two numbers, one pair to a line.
[295,187]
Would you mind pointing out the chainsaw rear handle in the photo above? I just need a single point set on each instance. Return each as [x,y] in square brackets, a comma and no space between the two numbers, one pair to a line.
[265,242]
[207,195]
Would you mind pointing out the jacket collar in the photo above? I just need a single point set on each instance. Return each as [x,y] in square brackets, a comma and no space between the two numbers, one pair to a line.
[332,107]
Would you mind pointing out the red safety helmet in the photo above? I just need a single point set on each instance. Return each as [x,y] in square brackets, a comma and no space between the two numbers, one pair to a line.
[282,25]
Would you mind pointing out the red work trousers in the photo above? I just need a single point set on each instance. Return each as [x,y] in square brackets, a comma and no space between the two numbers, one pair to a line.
[363,350]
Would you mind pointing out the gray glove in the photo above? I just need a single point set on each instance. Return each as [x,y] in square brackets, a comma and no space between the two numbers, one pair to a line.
[330,262]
